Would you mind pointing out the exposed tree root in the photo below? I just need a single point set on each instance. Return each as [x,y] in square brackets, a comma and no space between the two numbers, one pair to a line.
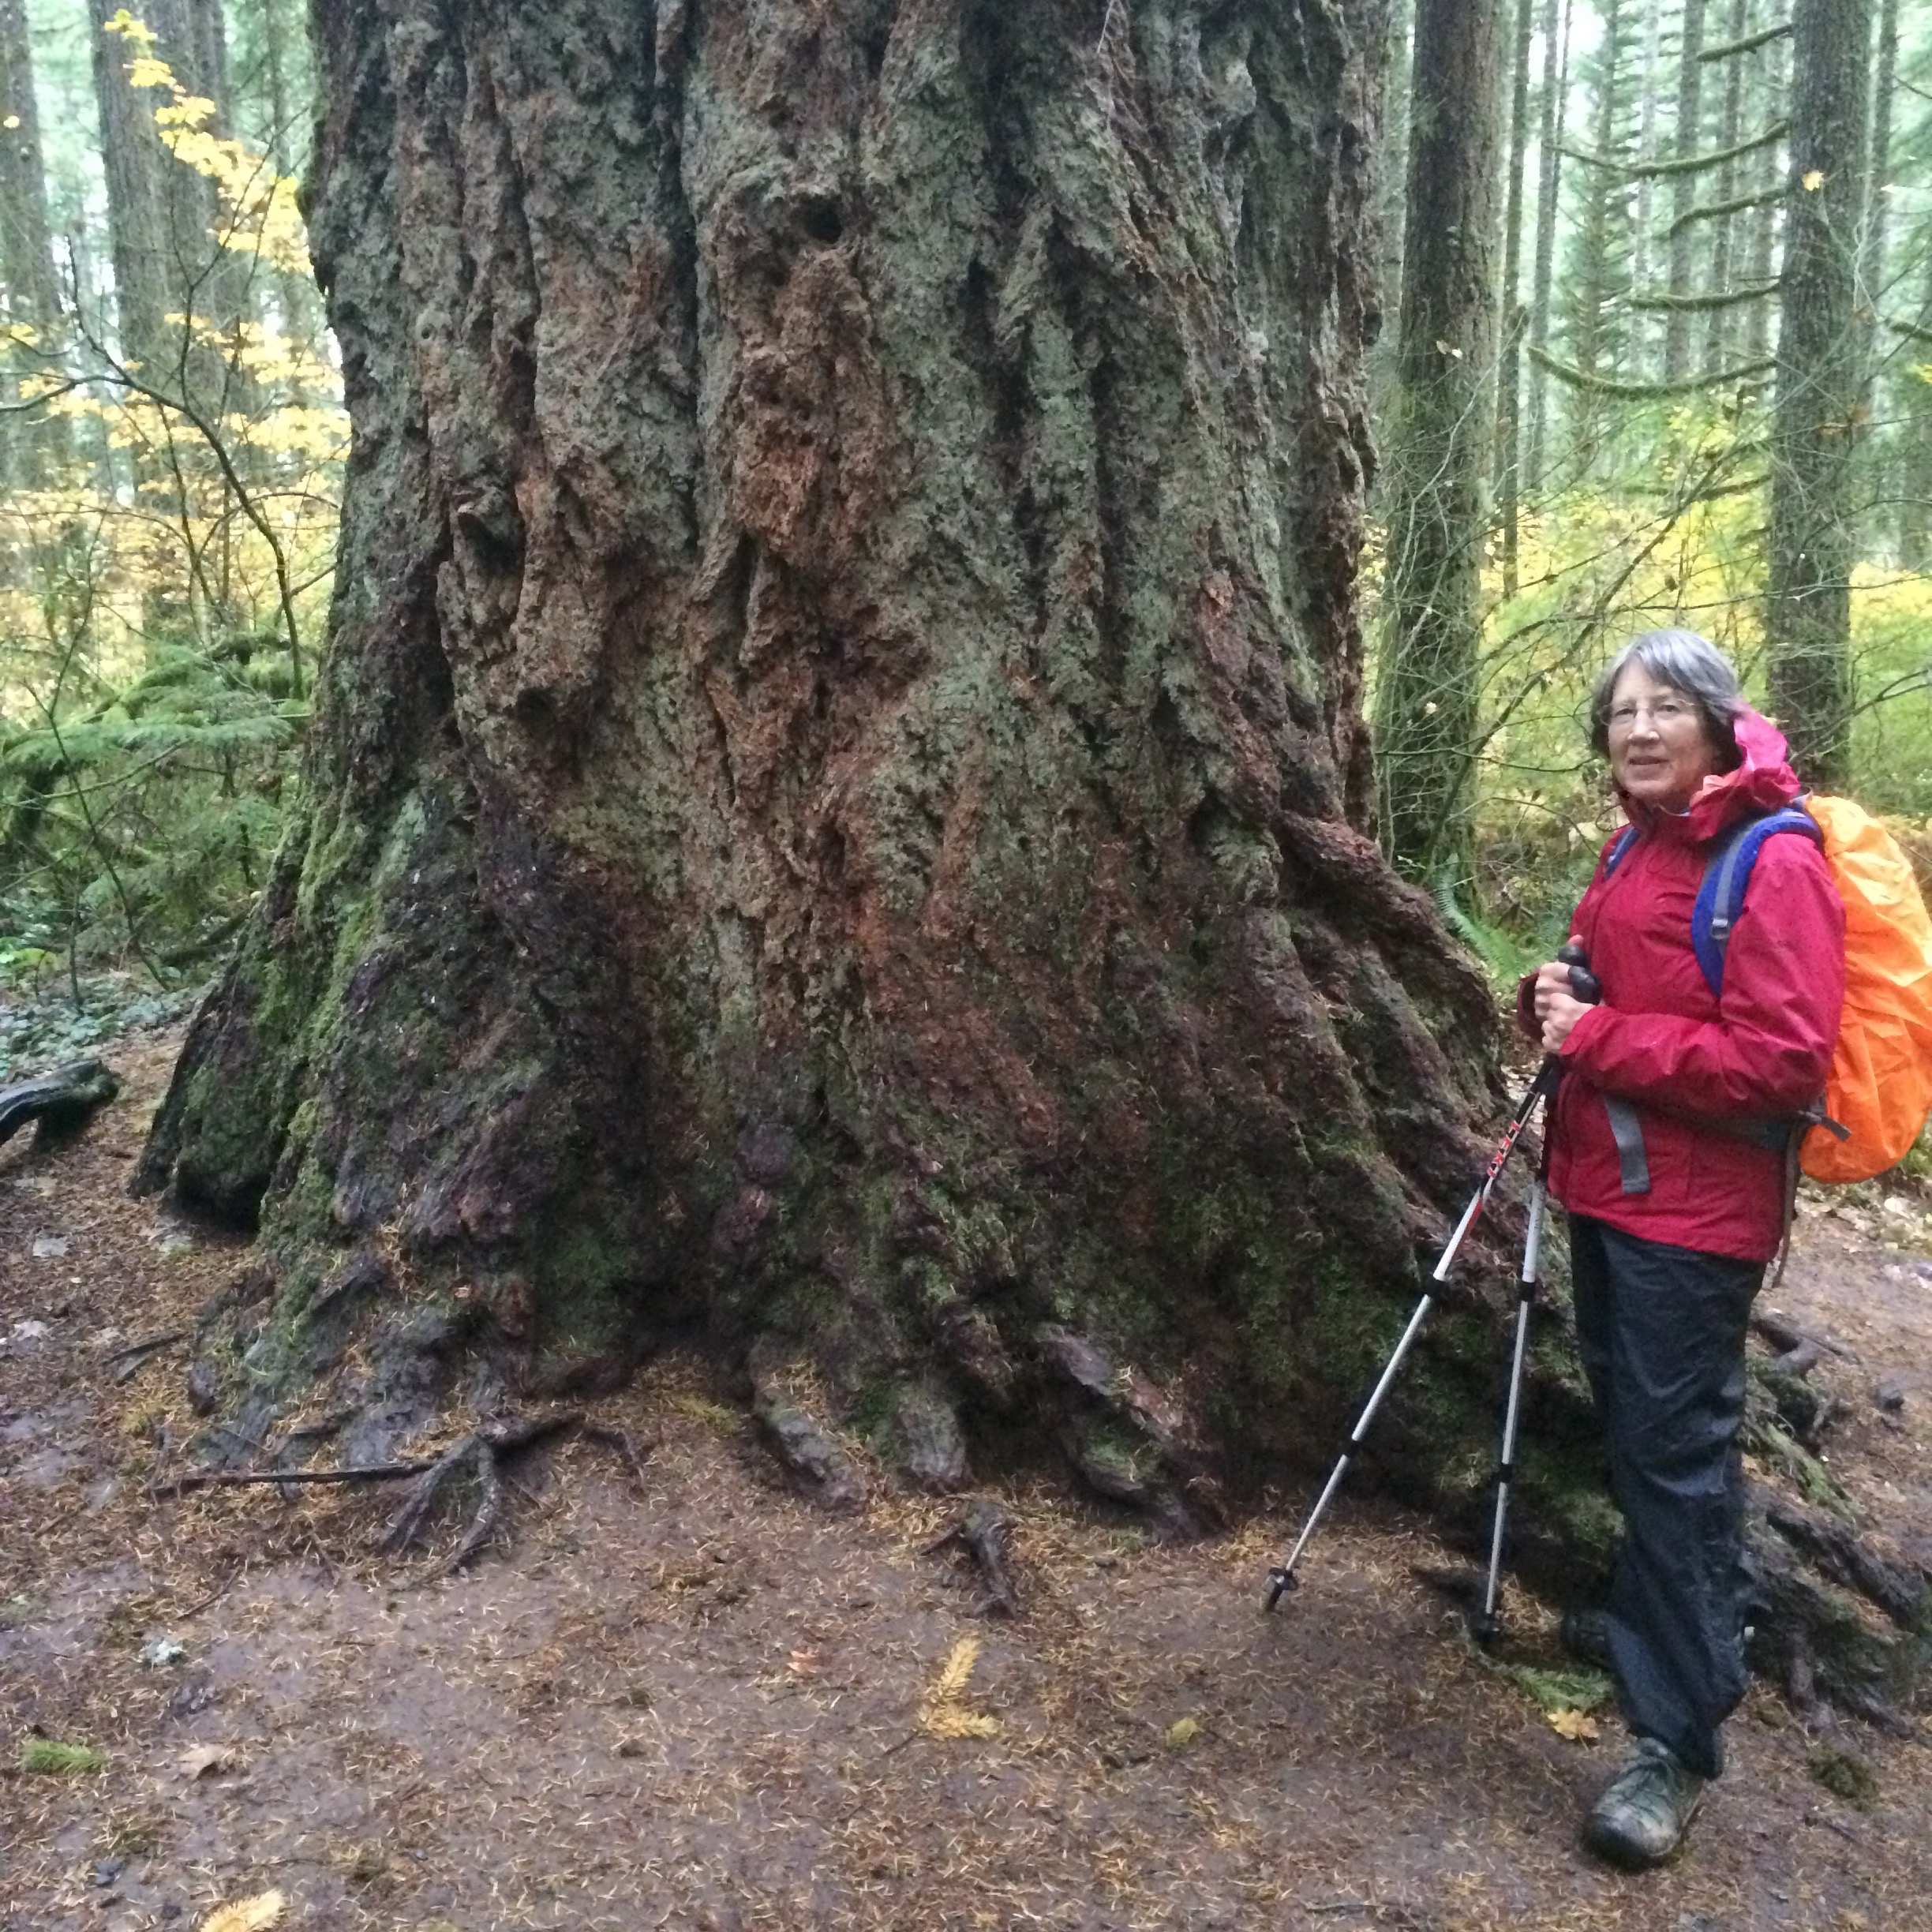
[485,1450]
[484,1453]
[985,1534]
[124,1363]
[61,1101]
[627,1451]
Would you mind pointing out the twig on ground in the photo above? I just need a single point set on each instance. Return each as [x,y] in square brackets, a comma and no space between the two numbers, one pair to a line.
[125,1363]
[225,1479]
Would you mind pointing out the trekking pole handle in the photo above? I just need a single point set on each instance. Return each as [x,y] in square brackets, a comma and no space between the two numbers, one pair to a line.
[1584,984]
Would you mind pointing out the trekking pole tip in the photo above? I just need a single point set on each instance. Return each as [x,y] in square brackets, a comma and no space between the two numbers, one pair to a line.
[1486,1627]
[1280,1581]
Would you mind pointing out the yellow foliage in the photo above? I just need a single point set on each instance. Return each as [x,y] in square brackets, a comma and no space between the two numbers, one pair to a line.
[248,1914]
[944,1713]
[1578,1726]
[136,32]
[955,1673]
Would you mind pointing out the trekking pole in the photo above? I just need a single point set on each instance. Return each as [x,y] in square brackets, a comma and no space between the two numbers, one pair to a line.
[1282,1579]
[1486,1627]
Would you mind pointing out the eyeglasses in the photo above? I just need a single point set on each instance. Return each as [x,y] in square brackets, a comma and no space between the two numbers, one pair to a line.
[1664,714]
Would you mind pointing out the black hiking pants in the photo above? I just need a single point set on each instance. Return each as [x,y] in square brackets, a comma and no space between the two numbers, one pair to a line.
[1661,1332]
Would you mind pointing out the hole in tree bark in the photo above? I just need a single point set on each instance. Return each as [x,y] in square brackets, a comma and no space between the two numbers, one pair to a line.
[821,220]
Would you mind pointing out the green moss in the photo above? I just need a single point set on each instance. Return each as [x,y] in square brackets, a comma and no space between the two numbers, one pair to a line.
[1847,1776]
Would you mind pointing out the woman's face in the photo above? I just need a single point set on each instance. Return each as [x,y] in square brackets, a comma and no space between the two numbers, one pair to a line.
[1660,752]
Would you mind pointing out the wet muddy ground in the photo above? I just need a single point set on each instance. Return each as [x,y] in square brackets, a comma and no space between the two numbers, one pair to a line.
[687,1699]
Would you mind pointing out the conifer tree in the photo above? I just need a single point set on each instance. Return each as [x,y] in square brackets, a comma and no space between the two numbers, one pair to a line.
[1438,440]
[1821,383]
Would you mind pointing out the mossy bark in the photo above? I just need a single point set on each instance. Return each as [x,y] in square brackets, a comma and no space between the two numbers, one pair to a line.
[833,825]
[833,817]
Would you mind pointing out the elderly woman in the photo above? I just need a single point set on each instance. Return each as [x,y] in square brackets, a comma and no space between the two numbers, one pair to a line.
[1675,1190]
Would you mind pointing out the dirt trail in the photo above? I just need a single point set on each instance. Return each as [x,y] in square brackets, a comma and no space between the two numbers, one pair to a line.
[698,1703]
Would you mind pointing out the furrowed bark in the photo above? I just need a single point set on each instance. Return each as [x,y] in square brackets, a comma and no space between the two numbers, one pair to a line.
[830,825]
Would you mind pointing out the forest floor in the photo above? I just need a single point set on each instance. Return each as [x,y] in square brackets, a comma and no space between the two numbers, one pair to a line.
[694,1702]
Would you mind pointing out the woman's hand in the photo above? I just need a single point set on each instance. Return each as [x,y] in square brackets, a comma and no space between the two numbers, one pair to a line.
[1556,1007]
[1563,1011]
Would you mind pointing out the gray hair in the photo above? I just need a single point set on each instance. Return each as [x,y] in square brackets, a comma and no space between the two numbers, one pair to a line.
[1686,663]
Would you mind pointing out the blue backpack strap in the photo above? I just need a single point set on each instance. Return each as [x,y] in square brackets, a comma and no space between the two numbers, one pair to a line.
[1727,875]
[1622,843]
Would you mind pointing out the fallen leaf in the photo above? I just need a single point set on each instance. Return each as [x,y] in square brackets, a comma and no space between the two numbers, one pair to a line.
[203,1760]
[1813,180]
[802,1663]
[943,1714]
[1575,1724]
[1183,1731]
[247,1914]
[955,1720]
[955,1672]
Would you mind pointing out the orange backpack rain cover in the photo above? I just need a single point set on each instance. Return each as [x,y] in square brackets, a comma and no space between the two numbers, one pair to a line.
[1881,1082]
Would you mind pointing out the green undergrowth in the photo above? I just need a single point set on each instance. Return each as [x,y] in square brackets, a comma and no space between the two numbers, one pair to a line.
[1561,1688]
[51,1758]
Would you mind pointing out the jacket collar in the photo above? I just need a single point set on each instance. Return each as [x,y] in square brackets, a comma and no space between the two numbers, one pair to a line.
[1763,781]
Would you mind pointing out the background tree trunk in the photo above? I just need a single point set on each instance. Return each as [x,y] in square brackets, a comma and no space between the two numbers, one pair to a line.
[1513,319]
[1772,97]
[1549,183]
[280,50]
[1873,298]
[133,159]
[1821,383]
[827,826]
[1643,364]
[1426,714]
[1724,227]
[31,448]
[1683,253]
[1605,191]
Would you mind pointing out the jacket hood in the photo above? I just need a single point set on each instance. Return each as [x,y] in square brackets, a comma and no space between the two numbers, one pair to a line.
[1763,781]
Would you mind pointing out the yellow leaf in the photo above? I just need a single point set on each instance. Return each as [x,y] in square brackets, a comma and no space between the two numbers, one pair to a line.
[1813,180]
[135,31]
[957,1668]
[954,1721]
[203,1759]
[10,123]
[943,1714]
[1575,1724]
[1182,1731]
[247,1914]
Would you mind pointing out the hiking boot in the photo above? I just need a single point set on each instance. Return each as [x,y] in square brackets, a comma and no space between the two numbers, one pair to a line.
[1585,1634]
[1644,1810]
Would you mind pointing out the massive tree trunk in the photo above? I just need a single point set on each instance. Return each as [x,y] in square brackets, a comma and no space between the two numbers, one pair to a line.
[828,825]
[1821,388]
[826,833]
[1426,702]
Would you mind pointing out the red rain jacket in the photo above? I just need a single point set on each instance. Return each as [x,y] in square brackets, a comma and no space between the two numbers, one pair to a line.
[1688,1062]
